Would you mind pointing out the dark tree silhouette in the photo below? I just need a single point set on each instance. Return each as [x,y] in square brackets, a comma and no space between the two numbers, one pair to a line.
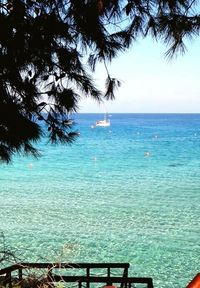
[48,53]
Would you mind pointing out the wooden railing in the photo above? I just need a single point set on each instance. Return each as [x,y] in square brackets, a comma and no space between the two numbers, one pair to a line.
[17,272]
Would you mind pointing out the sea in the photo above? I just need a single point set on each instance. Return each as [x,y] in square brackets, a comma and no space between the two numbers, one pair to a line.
[125,193]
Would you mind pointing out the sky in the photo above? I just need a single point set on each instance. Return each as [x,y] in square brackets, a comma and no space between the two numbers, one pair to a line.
[151,83]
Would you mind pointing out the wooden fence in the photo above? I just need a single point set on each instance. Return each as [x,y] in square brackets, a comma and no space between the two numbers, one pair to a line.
[52,274]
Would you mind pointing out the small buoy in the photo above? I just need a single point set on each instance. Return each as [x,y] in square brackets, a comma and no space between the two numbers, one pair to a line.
[30,165]
[146,154]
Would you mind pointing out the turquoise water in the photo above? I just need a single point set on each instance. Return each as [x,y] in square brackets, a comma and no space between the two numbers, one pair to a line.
[105,199]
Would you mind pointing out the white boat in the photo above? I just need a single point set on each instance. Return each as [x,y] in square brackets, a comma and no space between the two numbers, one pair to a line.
[103,123]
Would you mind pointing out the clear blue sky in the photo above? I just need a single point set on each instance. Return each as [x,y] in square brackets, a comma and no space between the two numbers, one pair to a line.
[150,82]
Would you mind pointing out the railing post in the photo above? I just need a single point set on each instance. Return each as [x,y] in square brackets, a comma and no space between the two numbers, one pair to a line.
[20,274]
[9,279]
[125,275]
[108,272]
[88,275]
[150,283]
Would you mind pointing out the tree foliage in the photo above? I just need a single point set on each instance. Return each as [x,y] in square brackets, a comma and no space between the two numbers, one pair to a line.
[49,50]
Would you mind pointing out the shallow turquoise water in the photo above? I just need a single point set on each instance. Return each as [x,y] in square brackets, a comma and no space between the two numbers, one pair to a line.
[102,199]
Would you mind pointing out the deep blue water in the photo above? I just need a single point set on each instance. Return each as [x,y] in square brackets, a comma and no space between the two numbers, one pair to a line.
[126,193]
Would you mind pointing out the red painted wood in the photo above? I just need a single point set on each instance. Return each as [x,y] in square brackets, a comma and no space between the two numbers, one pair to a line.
[195,283]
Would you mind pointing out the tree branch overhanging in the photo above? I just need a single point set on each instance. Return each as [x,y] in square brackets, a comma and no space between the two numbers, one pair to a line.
[43,47]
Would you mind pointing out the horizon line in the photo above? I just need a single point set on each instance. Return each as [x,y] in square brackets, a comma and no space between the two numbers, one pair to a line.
[137,113]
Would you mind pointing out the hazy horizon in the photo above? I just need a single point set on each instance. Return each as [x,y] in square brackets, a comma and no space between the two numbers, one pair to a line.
[150,82]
